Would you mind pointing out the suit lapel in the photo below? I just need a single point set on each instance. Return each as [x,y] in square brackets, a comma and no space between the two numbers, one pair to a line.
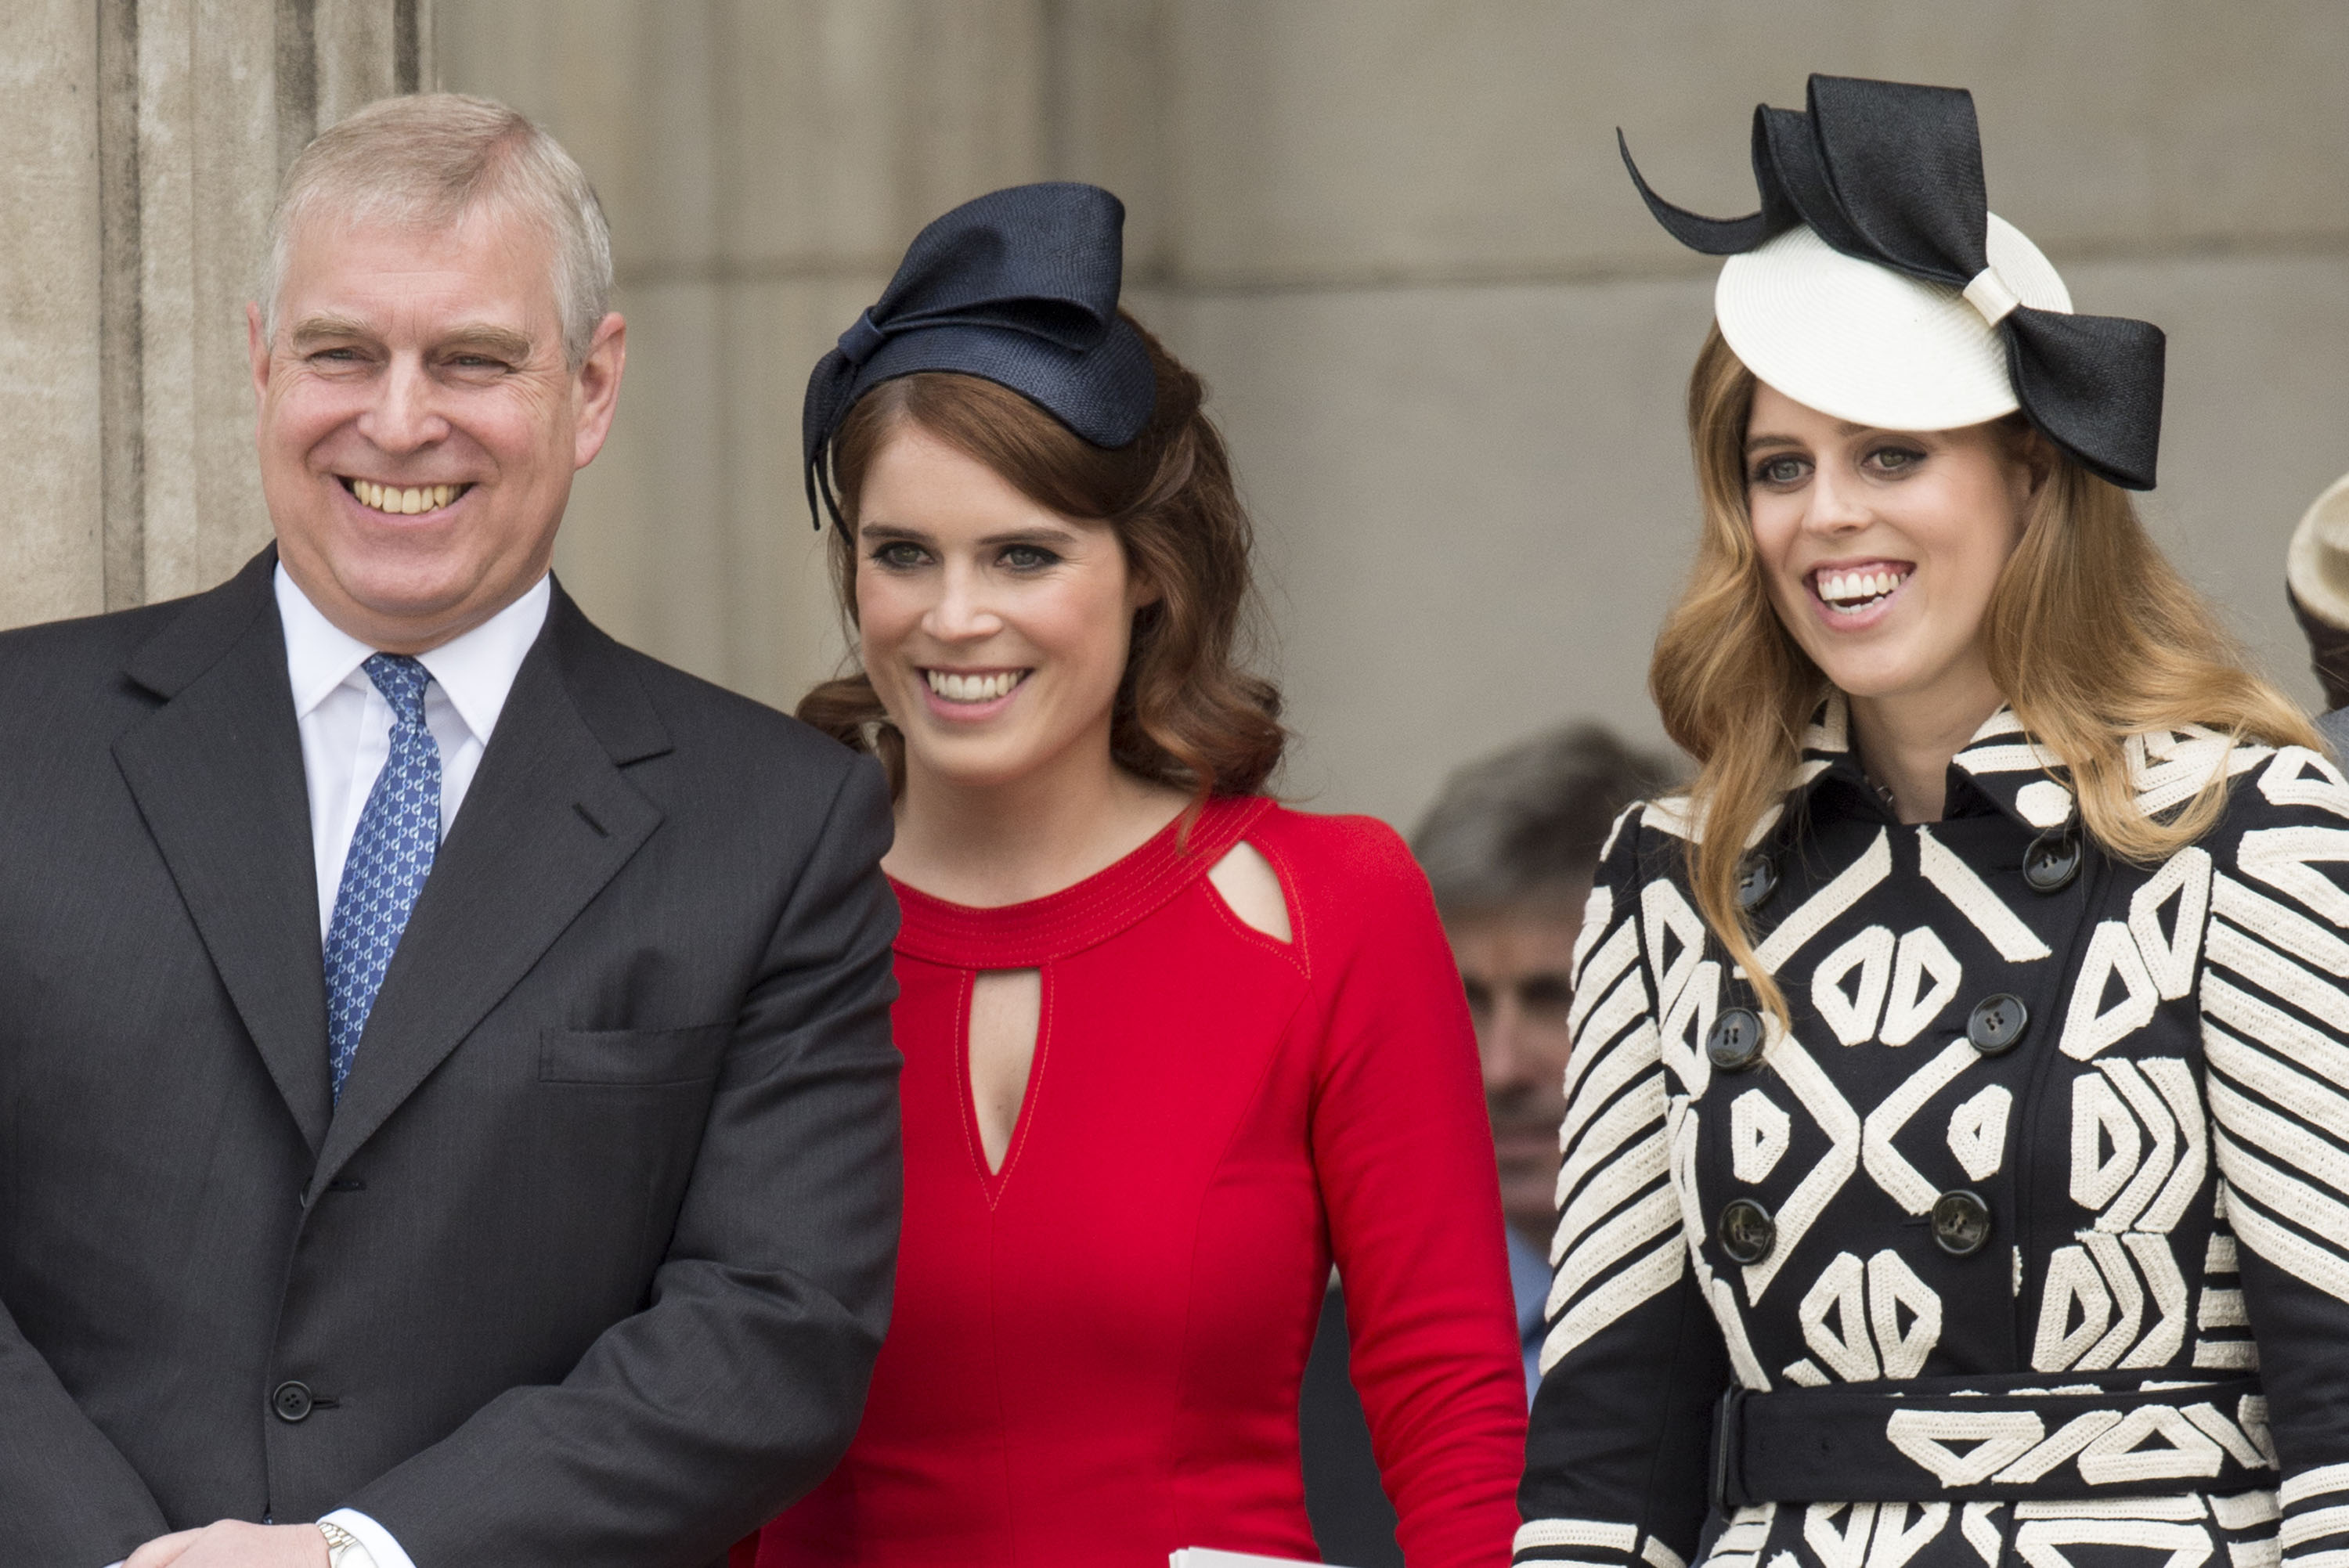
[217,774]
[546,824]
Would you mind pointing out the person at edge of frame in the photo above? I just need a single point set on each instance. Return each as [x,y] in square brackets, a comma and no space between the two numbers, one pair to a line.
[1957,1151]
[2316,583]
[1171,1047]
[451,1111]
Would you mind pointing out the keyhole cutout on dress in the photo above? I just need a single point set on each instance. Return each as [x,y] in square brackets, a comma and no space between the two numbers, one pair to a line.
[1007,1008]
[1250,889]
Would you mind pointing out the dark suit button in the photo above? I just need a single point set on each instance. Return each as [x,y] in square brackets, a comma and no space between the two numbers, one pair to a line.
[1961,1223]
[1747,1231]
[1997,1023]
[1757,879]
[1734,1041]
[292,1401]
[2051,861]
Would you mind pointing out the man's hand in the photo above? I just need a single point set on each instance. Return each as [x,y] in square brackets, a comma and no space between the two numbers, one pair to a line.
[233,1543]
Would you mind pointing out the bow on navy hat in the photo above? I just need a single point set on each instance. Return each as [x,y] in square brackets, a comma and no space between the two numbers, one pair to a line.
[1018,287]
[1889,174]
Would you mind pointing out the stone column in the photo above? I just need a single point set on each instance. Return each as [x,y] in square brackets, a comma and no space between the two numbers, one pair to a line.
[140,146]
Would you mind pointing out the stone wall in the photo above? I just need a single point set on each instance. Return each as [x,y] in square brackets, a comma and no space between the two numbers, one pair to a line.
[1448,343]
[140,145]
[1444,338]
[1452,345]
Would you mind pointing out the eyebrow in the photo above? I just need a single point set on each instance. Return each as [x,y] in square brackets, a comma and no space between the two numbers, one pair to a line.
[503,343]
[478,337]
[1842,428]
[322,328]
[1042,533]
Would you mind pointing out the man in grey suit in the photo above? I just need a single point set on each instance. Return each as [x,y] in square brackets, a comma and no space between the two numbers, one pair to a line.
[449,1113]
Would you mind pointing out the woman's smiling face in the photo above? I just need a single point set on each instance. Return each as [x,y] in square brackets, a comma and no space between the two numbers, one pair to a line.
[1881,548]
[994,630]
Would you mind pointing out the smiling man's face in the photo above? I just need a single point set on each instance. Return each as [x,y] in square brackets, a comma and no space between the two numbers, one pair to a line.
[418,421]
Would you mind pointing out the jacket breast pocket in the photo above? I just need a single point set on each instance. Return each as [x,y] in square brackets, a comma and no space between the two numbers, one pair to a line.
[635,1058]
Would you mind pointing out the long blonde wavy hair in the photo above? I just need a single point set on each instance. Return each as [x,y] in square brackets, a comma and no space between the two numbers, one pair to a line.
[2091,637]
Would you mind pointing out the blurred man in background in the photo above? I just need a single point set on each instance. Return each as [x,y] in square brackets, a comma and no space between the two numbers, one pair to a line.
[1509,847]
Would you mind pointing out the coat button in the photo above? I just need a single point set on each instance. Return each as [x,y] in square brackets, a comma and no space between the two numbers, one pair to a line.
[1961,1223]
[2051,861]
[1757,879]
[292,1401]
[1734,1041]
[1997,1023]
[1747,1231]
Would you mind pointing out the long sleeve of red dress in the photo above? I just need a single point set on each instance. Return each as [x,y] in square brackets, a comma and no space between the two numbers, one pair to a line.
[1096,1350]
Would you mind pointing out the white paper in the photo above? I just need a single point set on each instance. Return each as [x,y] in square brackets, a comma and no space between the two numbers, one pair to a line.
[1208,1557]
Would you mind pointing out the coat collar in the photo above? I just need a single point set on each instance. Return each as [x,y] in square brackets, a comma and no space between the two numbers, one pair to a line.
[2001,765]
[216,770]
[594,671]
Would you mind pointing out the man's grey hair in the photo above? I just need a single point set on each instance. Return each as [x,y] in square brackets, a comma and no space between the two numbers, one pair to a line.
[1527,824]
[425,161]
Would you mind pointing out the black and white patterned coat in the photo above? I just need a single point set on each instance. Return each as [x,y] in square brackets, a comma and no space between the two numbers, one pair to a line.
[2145,1187]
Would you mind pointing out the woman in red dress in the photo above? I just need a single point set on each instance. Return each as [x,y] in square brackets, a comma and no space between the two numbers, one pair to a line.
[1170,1048]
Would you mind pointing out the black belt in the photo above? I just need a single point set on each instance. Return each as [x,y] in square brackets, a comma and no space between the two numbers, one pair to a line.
[1931,1439]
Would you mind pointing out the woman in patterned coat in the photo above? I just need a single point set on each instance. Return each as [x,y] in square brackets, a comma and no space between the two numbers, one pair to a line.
[1957,1154]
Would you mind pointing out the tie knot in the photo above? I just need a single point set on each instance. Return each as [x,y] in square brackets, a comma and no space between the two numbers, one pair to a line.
[402,682]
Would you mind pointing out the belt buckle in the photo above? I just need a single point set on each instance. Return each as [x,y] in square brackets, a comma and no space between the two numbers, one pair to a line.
[1728,1447]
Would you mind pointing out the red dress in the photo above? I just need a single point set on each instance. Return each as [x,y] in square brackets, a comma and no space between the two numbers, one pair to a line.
[1095,1353]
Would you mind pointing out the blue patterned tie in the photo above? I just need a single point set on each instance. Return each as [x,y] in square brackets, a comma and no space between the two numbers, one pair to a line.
[391,852]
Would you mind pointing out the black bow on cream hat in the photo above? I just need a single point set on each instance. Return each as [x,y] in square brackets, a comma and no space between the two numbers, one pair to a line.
[1018,287]
[1876,286]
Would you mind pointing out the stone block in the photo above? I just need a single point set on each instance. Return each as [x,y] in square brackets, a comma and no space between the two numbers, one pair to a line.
[1369,140]
[764,141]
[1473,506]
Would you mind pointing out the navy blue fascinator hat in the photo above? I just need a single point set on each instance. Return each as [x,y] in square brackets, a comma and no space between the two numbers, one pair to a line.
[1018,287]
[1876,286]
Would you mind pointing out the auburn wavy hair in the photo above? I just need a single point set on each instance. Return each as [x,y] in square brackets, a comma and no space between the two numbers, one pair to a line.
[2091,637]
[1188,712]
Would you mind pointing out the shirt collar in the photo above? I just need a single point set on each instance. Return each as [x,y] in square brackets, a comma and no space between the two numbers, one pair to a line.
[1528,1281]
[2001,764]
[474,671]
[319,654]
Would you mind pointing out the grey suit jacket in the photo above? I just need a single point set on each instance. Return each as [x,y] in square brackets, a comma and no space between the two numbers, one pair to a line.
[591,1263]
[2334,727]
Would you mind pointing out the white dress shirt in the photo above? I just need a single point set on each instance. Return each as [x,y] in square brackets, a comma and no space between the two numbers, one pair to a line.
[346,725]
[345,737]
